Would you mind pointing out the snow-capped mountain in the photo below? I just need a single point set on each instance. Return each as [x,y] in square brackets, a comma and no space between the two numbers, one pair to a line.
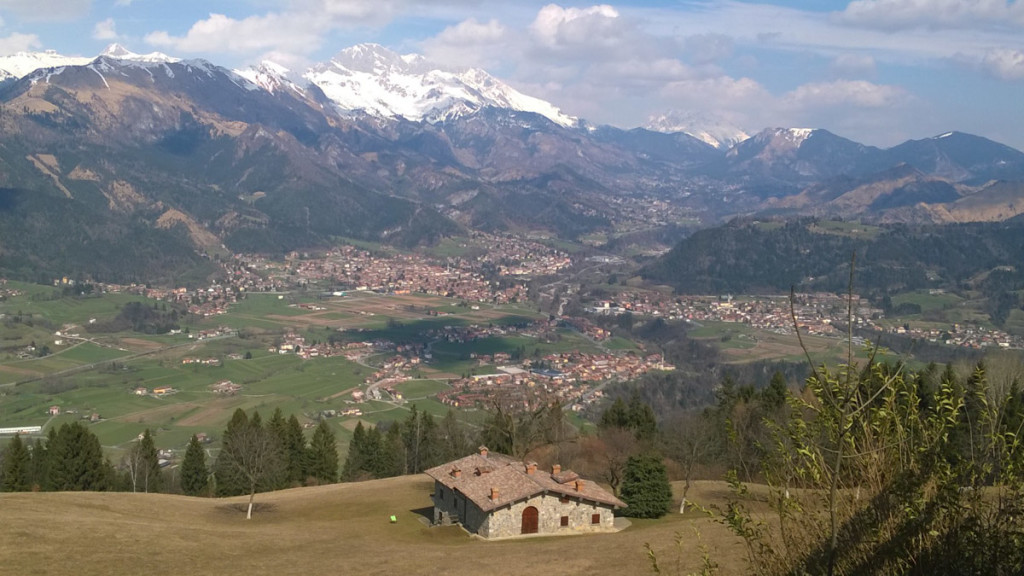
[119,52]
[270,76]
[377,81]
[22,64]
[709,128]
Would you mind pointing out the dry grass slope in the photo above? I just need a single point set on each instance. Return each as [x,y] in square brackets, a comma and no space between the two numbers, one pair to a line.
[340,529]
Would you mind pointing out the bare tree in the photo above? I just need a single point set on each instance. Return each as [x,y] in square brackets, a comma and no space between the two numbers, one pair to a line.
[689,439]
[252,452]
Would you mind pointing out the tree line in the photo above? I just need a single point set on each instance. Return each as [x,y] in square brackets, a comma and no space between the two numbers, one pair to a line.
[254,457]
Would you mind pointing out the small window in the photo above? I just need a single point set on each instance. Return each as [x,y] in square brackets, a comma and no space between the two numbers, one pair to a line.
[595,519]
[565,521]
[564,500]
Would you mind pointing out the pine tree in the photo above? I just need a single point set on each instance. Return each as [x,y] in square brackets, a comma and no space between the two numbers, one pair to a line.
[194,475]
[373,456]
[641,419]
[774,395]
[394,457]
[228,480]
[322,463]
[294,464]
[151,463]
[76,460]
[354,460]
[294,447]
[454,440]
[615,416]
[645,487]
[39,473]
[15,472]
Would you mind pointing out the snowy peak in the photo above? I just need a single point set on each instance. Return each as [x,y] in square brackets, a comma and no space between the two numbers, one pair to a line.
[119,52]
[22,64]
[785,137]
[711,129]
[270,76]
[383,83]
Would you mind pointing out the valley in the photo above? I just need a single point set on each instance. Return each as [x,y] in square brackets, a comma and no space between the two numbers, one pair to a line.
[317,277]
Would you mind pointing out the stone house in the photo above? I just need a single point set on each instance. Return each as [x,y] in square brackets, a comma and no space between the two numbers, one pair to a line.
[497,496]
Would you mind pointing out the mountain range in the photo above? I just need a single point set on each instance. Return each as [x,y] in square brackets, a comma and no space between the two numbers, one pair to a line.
[168,162]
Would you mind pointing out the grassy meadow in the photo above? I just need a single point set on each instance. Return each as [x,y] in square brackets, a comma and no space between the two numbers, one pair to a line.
[340,528]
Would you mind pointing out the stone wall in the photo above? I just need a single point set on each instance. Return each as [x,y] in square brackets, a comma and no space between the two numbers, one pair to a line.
[507,521]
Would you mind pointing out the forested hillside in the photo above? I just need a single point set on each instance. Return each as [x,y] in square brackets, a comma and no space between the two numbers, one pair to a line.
[747,257]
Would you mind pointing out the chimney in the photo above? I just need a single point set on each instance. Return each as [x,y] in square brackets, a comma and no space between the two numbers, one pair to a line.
[556,469]
[456,473]
[483,451]
[531,467]
[494,493]
[579,485]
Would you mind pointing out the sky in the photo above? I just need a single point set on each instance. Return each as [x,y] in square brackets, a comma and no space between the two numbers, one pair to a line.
[875,71]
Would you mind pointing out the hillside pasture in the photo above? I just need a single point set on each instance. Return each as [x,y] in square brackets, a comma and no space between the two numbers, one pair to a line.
[341,528]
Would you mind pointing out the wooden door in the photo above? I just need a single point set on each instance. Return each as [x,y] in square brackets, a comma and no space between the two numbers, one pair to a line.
[530,520]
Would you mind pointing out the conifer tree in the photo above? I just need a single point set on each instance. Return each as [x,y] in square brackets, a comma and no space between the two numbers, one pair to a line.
[453,438]
[194,475]
[645,487]
[354,460]
[228,480]
[394,457]
[39,474]
[151,463]
[76,460]
[322,463]
[373,456]
[15,472]
[294,446]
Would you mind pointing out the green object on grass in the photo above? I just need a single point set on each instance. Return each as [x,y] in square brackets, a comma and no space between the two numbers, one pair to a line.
[394,519]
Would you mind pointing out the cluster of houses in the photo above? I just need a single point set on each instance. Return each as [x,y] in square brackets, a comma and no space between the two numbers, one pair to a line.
[201,361]
[569,377]
[400,274]
[226,388]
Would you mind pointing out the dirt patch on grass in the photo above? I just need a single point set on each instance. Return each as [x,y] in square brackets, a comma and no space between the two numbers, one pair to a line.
[140,344]
[211,413]
[160,414]
[22,371]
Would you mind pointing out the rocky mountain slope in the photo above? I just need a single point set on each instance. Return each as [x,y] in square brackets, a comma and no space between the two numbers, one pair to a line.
[132,155]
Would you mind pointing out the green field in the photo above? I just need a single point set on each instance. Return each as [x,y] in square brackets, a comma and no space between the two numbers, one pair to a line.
[106,372]
[928,301]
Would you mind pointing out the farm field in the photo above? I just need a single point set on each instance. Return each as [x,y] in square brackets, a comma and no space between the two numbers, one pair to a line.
[340,527]
[99,373]
[742,343]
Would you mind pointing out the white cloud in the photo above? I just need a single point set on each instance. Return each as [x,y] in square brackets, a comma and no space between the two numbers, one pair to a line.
[105,30]
[19,43]
[556,27]
[843,93]
[899,14]
[469,43]
[292,33]
[1004,63]
[47,10]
